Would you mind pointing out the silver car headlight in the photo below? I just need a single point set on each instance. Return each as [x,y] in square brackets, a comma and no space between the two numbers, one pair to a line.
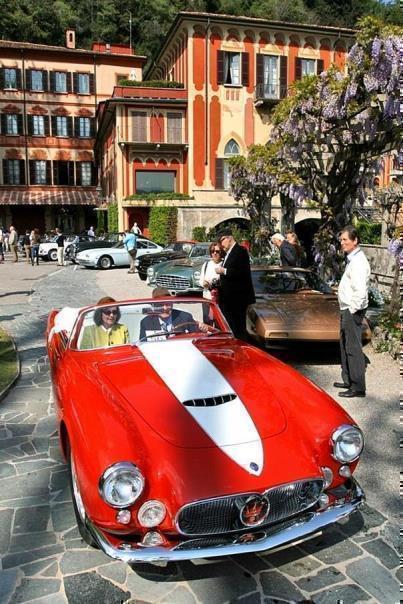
[150,271]
[121,484]
[347,443]
[196,275]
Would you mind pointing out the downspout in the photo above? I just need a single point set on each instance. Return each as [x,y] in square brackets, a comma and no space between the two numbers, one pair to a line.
[206,110]
[24,114]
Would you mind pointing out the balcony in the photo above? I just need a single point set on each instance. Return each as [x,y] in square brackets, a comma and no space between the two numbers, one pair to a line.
[269,94]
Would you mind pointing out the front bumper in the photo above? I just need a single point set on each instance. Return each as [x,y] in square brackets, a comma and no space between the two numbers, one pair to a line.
[259,540]
[89,263]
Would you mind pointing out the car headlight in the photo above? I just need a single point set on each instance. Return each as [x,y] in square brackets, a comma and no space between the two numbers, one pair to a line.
[196,275]
[121,484]
[150,271]
[347,443]
[151,513]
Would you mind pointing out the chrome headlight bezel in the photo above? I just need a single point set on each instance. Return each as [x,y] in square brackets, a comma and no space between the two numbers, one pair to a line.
[196,275]
[338,441]
[150,271]
[118,470]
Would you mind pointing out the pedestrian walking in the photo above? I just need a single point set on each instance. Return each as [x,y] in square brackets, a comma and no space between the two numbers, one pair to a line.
[6,244]
[60,239]
[13,243]
[91,232]
[288,253]
[236,289]
[1,245]
[26,243]
[130,243]
[136,229]
[35,242]
[353,302]
[292,238]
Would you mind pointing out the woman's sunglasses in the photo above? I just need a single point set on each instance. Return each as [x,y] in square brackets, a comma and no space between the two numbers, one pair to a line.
[108,311]
[216,252]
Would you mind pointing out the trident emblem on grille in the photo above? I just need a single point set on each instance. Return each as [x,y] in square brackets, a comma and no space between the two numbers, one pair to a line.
[255,511]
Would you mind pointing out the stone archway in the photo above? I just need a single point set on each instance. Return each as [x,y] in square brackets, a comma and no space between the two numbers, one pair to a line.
[306,230]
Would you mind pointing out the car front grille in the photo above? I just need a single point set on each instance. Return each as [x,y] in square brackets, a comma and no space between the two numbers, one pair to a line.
[222,515]
[173,282]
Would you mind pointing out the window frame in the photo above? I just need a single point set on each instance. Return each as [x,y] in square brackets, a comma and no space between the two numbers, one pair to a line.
[34,73]
[227,68]
[7,69]
[85,166]
[155,172]
[60,73]
[65,131]
[85,120]
[15,123]
[36,120]
[40,173]
[79,76]
[11,173]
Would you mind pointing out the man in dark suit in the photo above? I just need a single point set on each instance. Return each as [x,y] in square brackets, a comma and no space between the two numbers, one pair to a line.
[236,289]
[164,319]
[288,252]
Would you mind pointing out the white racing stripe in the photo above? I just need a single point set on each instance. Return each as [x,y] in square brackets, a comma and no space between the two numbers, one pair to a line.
[190,375]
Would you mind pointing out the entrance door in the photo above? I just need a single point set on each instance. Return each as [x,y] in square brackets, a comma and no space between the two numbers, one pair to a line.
[27,218]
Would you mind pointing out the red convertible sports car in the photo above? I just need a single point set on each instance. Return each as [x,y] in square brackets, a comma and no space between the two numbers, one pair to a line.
[186,444]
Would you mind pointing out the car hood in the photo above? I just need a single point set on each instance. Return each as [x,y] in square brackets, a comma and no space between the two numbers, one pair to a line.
[182,263]
[301,308]
[200,394]
[99,250]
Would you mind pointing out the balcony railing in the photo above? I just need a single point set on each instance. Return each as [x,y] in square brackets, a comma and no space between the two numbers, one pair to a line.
[269,93]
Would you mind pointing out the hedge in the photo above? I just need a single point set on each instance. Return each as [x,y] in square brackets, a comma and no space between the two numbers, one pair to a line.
[113,222]
[162,224]
[150,83]
[369,232]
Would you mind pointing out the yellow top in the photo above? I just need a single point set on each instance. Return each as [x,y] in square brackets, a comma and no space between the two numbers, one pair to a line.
[96,336]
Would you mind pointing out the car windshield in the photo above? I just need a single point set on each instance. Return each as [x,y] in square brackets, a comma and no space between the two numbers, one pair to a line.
[201,249]
[284,282]
[149,321]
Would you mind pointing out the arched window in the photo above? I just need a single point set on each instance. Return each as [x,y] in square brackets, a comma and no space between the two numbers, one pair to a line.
[231,149]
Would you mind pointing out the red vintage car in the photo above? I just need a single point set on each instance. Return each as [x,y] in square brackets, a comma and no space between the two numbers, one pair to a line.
[186,444]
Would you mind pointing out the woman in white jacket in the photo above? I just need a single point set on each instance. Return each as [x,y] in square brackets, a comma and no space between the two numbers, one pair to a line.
[209,279]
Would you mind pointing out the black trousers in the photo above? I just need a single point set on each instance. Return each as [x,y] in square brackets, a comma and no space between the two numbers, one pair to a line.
[352,356]
[235,313]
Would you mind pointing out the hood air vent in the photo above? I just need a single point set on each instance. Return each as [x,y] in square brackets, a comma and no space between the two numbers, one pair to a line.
[210,402]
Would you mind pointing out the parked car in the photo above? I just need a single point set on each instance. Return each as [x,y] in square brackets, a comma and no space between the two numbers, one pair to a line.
[48,249]
[85,242]
[173,251]
[293,304]
[182,275]
[193,445]
[116,255]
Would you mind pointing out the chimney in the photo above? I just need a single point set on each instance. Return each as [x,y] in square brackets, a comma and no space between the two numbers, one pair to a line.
[70,38]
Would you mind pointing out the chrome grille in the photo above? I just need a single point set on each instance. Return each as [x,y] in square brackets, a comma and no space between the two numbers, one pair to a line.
[173,282]
[222,515]
[210,402]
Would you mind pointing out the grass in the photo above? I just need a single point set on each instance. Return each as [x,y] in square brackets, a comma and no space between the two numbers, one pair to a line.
[8,360]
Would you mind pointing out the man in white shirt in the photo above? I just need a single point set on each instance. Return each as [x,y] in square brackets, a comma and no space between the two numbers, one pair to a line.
[353,302]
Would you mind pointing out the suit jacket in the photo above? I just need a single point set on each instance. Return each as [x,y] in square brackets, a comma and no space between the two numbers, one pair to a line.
[288,254]
[236,285]
[179,317]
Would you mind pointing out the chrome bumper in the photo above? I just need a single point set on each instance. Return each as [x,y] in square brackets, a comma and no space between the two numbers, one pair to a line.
[302,528]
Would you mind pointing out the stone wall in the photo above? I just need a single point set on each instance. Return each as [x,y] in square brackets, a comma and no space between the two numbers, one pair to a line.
[382,266]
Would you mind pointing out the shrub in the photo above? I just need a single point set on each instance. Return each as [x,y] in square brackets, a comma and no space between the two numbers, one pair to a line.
[199,233]
[162,224]
[369,232]
[113,222]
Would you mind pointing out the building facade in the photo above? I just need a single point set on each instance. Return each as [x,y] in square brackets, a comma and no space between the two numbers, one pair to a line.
[230,71]
[48,101]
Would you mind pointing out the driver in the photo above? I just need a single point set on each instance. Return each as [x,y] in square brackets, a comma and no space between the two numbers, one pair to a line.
[166,319]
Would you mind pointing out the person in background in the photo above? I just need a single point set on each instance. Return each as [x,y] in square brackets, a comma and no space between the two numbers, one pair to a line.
[91,232]
[136,229]
[130,243]
[209,280]
[236,288]
[35,242]
[13,243]
[107,330]
[292,238]
[1,246]
[353,302]
[60,239]
[26,242]
[288,253]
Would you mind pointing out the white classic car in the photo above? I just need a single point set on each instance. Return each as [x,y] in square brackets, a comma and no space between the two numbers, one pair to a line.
[116,255]
[48,249]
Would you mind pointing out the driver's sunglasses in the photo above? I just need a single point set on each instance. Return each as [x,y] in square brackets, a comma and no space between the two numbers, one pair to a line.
[216,251]
[110,311]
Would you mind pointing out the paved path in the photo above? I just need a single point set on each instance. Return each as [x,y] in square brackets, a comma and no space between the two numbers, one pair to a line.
[43,559]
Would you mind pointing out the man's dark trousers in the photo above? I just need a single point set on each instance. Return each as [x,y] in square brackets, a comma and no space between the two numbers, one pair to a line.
[352,356]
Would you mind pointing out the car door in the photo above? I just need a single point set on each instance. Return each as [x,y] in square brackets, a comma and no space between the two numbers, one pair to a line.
[146,247]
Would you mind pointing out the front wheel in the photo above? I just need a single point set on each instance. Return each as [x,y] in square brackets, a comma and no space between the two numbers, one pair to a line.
[78,505]
[52,255]
[105,262]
